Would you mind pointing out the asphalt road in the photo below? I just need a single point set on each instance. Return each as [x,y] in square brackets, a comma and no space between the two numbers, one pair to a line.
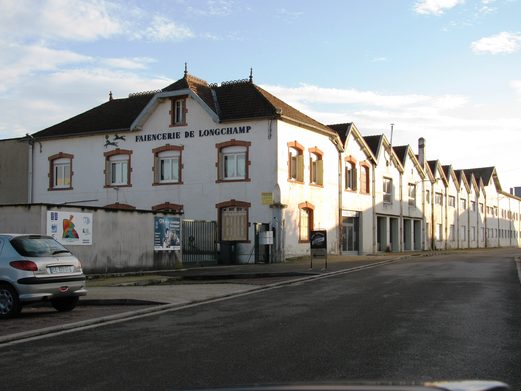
[444,317]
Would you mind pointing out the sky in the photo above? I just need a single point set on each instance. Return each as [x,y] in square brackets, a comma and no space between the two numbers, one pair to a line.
[445,70]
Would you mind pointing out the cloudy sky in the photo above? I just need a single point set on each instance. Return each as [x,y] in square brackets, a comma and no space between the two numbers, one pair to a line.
[445,70]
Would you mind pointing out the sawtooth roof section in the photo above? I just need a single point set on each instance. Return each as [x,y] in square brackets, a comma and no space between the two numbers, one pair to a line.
[374,143]
[114,115]
[401,153]
[342,130]
[483,173]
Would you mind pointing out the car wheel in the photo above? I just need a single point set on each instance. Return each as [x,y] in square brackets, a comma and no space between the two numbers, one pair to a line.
[65,304]
[9,303]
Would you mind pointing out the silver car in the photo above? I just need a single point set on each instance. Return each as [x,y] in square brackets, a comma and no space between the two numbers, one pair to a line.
[37,268]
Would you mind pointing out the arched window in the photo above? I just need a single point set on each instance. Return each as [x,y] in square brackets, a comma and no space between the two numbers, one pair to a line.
[316,167]
[295,162]
[305,221]
[233,161]
[350,174]
[233,220]
[168,165]
[60,171]
[365,178]
[117,168]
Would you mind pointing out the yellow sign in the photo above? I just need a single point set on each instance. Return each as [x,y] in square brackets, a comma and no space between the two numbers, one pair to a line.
[267,198]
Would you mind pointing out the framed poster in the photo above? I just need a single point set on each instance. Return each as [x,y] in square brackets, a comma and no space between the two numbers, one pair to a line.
[70,228]
[167,233]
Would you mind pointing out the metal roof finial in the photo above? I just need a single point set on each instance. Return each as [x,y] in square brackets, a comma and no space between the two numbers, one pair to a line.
[110,95]
[186,69]
[251,75]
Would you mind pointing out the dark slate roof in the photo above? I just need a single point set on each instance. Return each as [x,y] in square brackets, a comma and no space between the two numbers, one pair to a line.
[432,165]
[198,86]
[401,152]
[230,101]
[373,142]
[483,173]
[116,114]
[342,130]
[446,170]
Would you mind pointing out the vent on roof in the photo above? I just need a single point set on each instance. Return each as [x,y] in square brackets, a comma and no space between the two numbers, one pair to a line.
[142,93]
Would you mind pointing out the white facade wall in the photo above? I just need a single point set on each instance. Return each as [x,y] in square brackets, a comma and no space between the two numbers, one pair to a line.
[438,220]
[323,199]
[452,214]
[357,202]
[413,222]
[388,214]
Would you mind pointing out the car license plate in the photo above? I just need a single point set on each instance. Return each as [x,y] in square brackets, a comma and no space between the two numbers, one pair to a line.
[61,269]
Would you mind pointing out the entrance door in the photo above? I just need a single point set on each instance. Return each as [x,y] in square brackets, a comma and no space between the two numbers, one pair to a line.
[350,234]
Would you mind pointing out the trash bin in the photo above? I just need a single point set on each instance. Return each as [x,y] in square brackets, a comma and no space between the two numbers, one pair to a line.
[227,253]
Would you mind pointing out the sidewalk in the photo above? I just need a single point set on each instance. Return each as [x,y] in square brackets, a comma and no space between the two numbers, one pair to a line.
[190,285]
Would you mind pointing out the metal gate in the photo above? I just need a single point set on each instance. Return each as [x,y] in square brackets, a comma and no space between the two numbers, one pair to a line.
[199,243]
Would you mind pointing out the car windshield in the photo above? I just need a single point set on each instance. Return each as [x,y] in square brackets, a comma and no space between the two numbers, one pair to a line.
[38,246]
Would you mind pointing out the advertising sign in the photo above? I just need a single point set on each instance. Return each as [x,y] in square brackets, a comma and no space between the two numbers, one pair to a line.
[318,239]
[167,233]
[70,228]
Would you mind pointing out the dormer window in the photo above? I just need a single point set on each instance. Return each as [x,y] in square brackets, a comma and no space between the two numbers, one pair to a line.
[178,111]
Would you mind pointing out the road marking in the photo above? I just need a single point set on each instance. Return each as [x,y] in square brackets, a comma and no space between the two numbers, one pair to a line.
[35,335]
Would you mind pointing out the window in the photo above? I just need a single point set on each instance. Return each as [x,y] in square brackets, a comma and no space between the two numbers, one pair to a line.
[387,190]
[178,111]
[295,162]
[463,204]
[316,167]
[439,232]
[117,168]
[452,236]
[232,161]
[473,206]
[350,174]
[167,164]
[452,201]
[233,220]
[412,194]
[481,207]
[60,171]
[473,233]
[365,178]
[305,221]
[438,198]
[428,196]
[463,232]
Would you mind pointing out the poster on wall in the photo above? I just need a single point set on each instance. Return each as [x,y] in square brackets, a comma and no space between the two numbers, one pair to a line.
[167,233]
[70,228]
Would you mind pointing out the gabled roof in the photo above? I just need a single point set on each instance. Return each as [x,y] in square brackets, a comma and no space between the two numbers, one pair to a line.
[232,101]
[462,179]
[404,151]
[449,173]
[344,130]
[114,115]
[374,143]
[485,174]
[435,166]
[401,152]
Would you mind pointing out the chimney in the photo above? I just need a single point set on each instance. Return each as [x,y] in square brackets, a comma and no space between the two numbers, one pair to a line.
[421,151]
